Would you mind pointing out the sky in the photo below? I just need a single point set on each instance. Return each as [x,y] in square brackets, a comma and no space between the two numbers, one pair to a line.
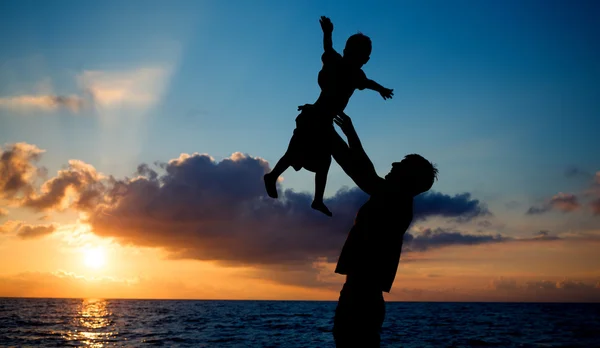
[135,135]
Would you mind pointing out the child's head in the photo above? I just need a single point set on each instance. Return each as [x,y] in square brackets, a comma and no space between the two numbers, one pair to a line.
[358,49]
[414,173]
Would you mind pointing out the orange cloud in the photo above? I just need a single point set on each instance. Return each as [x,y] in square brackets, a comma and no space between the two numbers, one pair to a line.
[565,202]
[3,212]
[26,231]
[140,88]
[43,102]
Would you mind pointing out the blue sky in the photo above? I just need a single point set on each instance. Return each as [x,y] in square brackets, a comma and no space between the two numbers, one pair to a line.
[503,96]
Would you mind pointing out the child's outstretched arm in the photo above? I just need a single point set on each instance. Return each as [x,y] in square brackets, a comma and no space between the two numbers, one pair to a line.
[327,27]
[386,93]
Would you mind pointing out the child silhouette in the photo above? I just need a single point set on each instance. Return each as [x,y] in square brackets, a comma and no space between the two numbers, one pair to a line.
[310,146]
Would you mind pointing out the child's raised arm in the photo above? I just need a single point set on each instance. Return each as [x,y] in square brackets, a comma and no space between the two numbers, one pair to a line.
[386,93]
[327,27]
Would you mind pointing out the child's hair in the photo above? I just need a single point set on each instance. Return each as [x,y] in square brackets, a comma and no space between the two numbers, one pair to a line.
[424,170]
[358,45]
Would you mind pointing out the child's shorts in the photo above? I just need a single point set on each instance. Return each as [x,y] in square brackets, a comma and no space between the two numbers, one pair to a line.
[310,147]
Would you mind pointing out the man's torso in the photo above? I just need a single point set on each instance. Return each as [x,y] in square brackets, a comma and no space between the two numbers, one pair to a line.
[373,246]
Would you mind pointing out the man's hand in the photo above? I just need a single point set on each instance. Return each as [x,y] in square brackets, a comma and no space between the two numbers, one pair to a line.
[386,93]
[326,25]
[345,124]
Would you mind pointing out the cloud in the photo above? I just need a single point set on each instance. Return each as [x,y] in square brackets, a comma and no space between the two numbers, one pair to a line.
[139,89]
[72,103]
[79,178]
[3,212]
[35,231]
[565,202]
[9,226]
[18,170]
[26,231]
[203,209]
[460,206]
[195,207]
[218,211]
[439,237]
[568,202]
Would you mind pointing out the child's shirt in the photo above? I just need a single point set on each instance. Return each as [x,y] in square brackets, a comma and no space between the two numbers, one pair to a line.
[338,81]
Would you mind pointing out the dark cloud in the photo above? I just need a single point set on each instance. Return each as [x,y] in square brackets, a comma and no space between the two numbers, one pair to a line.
[198,208]
[461,206]
[565,202]
[79,177]
[18,170]
[208,210]
[438,238]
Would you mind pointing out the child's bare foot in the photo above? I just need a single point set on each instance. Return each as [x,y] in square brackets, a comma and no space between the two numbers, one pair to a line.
[271,185]
[320,206]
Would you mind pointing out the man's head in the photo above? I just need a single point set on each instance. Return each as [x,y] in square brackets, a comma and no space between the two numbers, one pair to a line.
[414,173]
[358,49]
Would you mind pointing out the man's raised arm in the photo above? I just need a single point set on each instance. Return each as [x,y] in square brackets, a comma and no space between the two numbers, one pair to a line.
[353,159]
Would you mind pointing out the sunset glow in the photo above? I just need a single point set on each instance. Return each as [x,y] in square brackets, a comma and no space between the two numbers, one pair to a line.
[95,257]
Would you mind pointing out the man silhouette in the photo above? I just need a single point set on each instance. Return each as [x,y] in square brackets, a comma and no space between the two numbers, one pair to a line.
[371,253]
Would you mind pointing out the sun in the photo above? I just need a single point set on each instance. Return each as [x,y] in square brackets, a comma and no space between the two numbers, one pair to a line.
[95,257]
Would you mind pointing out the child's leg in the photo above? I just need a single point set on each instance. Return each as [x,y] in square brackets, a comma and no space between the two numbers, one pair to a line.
[282,165]
[320,183]
[271,178]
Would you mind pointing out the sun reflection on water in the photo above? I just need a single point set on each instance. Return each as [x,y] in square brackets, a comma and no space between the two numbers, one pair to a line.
[93,322]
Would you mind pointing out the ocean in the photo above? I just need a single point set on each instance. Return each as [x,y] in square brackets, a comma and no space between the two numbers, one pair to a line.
[180,323]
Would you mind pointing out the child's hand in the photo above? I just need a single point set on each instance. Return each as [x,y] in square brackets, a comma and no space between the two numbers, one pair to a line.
[386,93]
[326,25]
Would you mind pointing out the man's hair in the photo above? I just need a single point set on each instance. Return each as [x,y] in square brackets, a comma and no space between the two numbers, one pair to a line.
[424,170]
[358,44]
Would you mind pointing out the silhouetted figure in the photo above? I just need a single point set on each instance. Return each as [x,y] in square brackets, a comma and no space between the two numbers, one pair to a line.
[310,146]
[371,253]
